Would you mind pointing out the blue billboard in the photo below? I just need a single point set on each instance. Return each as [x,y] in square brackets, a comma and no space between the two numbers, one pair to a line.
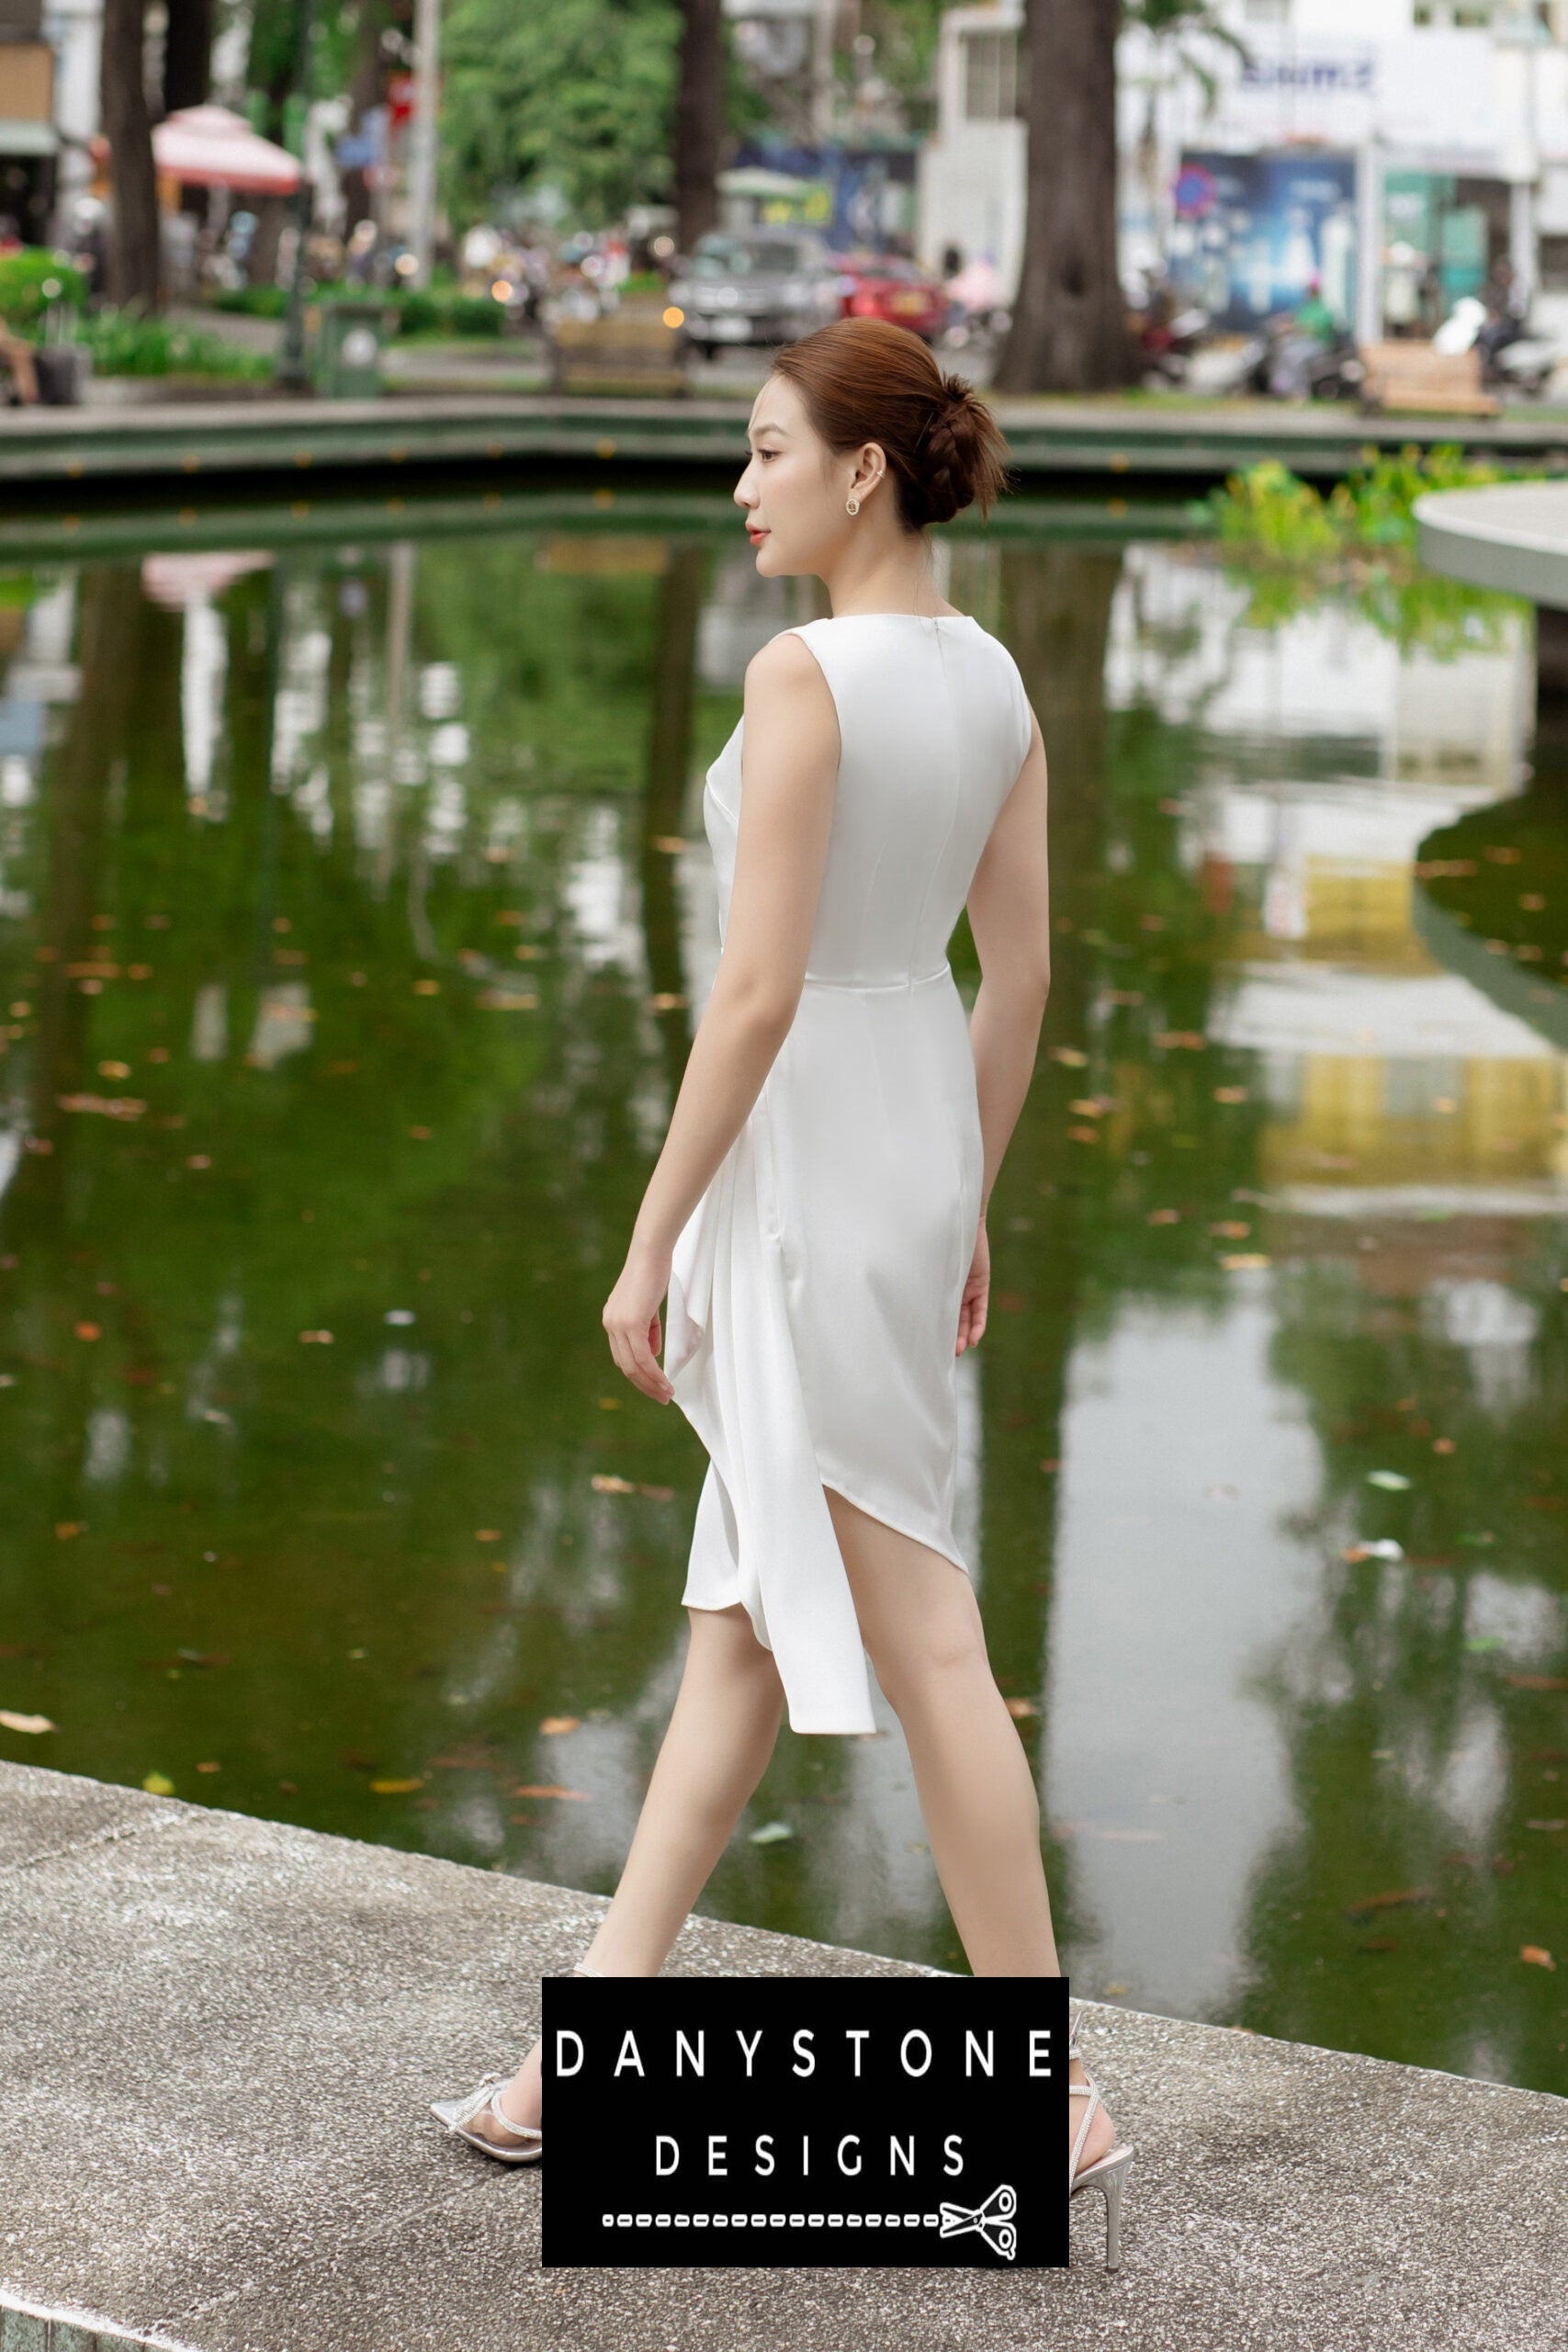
[1252,233]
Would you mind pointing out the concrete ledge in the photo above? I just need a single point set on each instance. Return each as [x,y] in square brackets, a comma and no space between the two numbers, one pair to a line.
[217,2036]
[1511,535]
[1109,442]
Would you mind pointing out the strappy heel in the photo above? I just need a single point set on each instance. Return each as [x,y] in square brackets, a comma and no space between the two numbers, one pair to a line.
[1107,2172]
[461,2115]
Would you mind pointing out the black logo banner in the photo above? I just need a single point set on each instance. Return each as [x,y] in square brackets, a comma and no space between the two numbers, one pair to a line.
[806,2122]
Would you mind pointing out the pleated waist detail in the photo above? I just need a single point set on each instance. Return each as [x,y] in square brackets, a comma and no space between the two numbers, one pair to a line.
[881,988]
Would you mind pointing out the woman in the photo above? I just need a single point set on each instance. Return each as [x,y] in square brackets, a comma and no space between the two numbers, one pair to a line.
[818,1214]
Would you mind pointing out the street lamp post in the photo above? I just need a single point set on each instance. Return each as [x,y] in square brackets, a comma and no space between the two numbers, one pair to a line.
[423,136]
[293,374]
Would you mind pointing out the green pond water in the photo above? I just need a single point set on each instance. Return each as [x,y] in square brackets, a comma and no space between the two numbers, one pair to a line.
[355,918]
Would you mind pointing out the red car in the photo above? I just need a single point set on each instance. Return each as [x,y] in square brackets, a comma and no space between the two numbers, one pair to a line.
[887,286]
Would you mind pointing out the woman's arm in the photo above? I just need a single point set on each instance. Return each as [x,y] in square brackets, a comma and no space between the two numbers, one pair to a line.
[790,765]
[1010,916]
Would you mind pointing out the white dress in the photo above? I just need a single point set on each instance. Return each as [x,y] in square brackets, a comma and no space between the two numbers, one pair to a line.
[812,1315]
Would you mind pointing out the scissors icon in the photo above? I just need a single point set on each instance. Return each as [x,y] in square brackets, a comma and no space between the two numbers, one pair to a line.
[993,2220]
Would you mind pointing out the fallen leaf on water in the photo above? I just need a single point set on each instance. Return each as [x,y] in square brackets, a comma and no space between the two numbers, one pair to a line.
[1083,1134]
[69,1527]
[419,1134]
[1538,1955]
[1388,1902]
[427,987]
[604,1484]
[199,1159]
[1165,1216]
[670,844]
[1546,1825]
[549,1789]
[1231,1231]
[316,1338]
[1189,1040]
[505,1000]
[1538,1681]
[1394,1482]
[1022,1707]
[1070,1056]
[771,1832]
[24,1722]
[158,1784]
[659,1494]
[560,1722]
[395,1788]
[88,1331]
[1085,1109]
[487,1536]
[108,1107]
[114,1070]
[1230,1094]
[1241,1260]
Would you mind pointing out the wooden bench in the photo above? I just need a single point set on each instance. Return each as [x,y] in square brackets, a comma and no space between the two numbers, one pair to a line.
[627,350]
[1412,375]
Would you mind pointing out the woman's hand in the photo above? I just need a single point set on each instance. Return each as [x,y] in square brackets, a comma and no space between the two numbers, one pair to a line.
[977,1292]
[631,1319]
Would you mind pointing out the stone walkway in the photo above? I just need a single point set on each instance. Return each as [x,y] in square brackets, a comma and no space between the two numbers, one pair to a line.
[217,2036]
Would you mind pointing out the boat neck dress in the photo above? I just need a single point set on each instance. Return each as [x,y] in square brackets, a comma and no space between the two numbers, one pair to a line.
[812,1312]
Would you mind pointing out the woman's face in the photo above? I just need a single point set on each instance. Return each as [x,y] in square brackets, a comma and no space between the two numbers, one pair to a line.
[794,489]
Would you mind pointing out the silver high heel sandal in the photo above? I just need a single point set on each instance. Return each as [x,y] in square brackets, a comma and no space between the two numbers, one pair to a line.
[460,2115]
[1108,2171]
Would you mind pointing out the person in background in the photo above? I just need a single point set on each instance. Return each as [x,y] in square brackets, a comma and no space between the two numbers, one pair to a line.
[1314,316]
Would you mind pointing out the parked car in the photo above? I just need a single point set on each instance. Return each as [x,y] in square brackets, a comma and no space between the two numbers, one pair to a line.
[890,286]
[754,286]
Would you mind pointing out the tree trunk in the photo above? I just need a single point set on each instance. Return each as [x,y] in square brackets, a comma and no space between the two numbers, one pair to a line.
[261,260]
[699,120]
[187,53]
[134,272]
[1069,331]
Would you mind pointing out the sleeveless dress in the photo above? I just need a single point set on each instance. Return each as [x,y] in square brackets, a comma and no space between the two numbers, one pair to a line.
[812,1314]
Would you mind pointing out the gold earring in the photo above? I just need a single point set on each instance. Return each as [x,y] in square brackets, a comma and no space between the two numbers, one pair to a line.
[851,506]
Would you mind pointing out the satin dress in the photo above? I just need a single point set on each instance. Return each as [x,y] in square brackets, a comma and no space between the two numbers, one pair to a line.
[812,1313]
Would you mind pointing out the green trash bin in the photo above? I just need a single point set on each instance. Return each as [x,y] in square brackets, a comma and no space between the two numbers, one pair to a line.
[349,337]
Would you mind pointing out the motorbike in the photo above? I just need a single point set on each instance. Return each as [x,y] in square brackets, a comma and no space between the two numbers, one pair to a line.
[1166,346]
[1282,363]
[1511,357]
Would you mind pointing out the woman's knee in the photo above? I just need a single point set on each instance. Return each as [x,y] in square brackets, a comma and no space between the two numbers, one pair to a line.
[942,1648]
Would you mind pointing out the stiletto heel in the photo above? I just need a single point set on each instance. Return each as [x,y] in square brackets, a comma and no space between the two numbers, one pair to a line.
[1107,2172]
[462,2115]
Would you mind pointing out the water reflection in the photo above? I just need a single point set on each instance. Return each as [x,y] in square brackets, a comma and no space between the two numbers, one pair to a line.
[355,918]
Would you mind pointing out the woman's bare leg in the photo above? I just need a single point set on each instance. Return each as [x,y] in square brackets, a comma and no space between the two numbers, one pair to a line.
[722,1730]
[920,1622]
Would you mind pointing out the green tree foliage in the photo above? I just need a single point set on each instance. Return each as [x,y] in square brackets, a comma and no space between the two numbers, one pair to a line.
[580,95]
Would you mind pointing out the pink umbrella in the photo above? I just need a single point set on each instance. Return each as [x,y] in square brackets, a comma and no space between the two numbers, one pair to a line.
[209,147]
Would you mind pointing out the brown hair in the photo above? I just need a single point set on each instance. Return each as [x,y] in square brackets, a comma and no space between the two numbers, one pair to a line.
[865,379]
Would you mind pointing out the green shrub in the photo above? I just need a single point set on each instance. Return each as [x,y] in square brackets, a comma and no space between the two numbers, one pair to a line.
[1270,512]
[124,342]
[1293,547]
[30,280]
[253,301]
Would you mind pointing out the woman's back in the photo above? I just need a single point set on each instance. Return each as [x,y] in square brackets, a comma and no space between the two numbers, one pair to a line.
[934,726]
